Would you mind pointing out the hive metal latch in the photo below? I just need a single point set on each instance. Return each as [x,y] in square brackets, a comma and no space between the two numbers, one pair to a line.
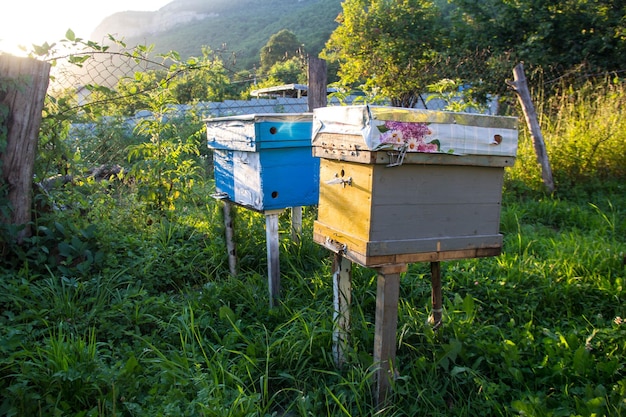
[397,158]
[335,246]
[220,196]
[340,180]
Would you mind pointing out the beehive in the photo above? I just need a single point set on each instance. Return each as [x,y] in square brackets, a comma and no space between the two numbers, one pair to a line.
[264,161]
[405,185]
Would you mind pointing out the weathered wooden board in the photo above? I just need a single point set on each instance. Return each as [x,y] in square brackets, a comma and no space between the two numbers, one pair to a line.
[386,324]
[343,245]
[273,254]
[335,150]
[26,81]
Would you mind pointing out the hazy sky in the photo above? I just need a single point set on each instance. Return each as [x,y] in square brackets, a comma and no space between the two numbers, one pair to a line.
[27,22]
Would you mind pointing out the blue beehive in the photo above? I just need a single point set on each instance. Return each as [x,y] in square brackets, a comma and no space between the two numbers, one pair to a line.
[264,161]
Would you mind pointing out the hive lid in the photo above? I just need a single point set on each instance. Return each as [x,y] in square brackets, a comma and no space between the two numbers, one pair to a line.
[374,128]
[252,132]
[262,117]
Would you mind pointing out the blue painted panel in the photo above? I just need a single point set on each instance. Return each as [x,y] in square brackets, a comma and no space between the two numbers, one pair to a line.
[223,173]
[247,173]
[290,178]
[231,134]
[273,134]
[268,180]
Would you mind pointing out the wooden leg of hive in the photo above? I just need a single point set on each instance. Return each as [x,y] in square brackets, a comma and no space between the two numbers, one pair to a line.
[342,297]
[437,299]
[273,264]
[387,296]
[230,237]
[296,224]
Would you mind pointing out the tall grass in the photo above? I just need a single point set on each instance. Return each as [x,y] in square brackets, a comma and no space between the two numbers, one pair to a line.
[116,310]
[585,131]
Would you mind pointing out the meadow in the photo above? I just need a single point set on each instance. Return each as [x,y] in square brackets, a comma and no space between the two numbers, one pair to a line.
[121,303]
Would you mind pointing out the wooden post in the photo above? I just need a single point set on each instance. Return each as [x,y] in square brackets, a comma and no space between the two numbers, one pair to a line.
[387,296]
[23,87]
[317,83]
[296,224]
[230,237]
[520,87]
[437,299]
[342,297]
[273,256]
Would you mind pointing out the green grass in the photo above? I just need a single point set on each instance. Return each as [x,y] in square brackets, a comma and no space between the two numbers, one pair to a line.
[159,327]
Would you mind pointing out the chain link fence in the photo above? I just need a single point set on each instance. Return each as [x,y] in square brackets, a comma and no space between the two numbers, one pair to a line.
[103,115]
[86,72]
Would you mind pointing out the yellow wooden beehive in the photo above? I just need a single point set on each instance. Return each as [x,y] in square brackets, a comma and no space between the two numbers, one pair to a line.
[380,203]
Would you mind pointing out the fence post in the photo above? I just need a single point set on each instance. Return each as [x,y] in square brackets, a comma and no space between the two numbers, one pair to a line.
[317,83]
[23,86]
[520,86]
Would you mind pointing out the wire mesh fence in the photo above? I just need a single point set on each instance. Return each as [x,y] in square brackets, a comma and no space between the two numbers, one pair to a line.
[104,95]
[86,73]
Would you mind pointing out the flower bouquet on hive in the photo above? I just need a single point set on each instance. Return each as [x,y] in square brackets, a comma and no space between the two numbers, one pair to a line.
[406,137]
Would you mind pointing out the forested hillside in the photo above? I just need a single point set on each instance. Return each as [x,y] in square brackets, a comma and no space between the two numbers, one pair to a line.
[241,27]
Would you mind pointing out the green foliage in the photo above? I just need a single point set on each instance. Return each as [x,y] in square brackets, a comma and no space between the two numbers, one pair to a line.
[160,327]
[454,95]
[164,167]
[587,139]
[201,79]
[552,35]
[103,142]
[281,47]
[403,47]
[362,94]
[292,71]
[389,45]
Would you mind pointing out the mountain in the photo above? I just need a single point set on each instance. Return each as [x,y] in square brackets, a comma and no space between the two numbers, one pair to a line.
[241,27]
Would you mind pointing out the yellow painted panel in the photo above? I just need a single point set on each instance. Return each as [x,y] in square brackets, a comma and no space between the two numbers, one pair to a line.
[345,198]
[322,232]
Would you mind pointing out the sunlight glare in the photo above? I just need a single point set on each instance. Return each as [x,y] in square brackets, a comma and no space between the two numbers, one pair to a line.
[27,22]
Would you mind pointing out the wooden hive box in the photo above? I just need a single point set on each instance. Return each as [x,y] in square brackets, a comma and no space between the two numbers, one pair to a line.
[264,161]
[404,185]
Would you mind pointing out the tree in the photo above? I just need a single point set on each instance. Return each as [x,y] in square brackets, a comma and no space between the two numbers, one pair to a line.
[281,47]
[402,46]
[553,35]
[287,72]
[203,79]
[390,45]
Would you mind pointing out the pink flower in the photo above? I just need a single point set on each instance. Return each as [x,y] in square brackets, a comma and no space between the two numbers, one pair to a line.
[428,147]
[407,133]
